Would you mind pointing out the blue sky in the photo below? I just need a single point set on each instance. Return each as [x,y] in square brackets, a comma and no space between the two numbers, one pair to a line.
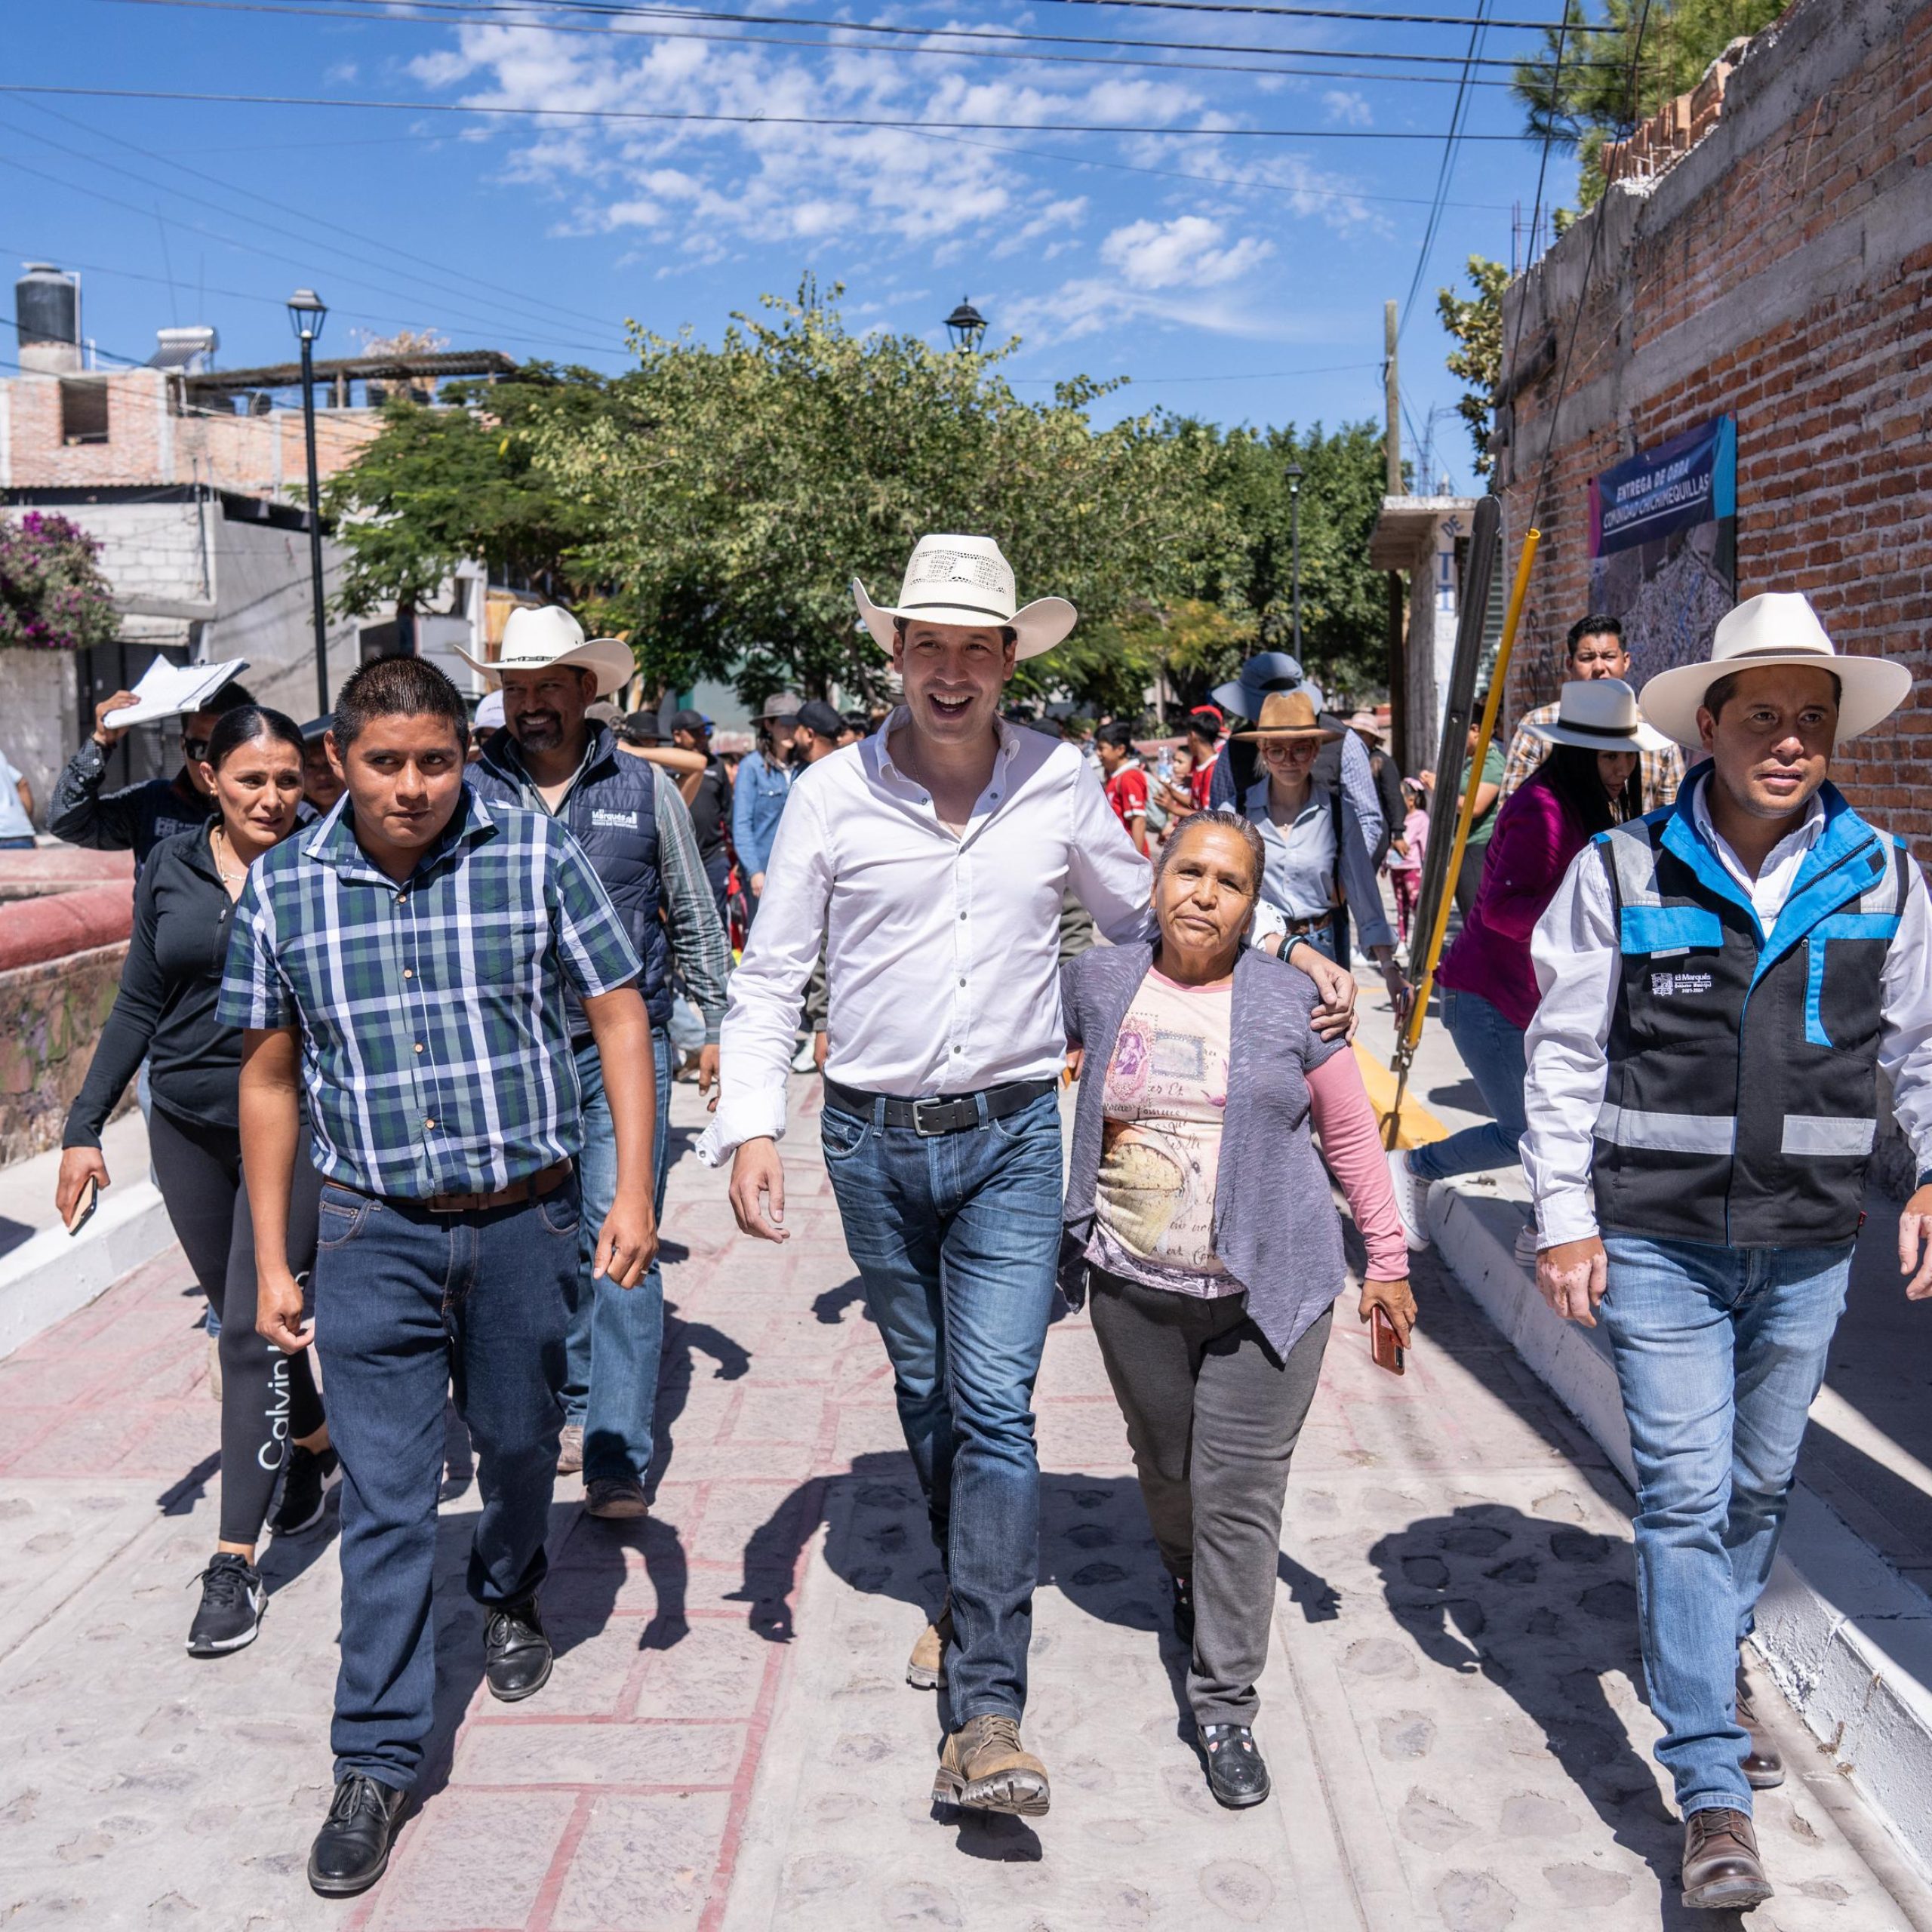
[1230,273]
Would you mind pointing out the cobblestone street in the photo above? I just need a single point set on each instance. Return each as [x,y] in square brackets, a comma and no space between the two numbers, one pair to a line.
[1452,1710]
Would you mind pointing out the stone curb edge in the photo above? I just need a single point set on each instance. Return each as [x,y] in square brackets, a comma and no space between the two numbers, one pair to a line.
[52,1273]
[1848,1640]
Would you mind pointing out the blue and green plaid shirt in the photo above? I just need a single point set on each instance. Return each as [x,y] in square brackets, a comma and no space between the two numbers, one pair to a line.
[434,1046]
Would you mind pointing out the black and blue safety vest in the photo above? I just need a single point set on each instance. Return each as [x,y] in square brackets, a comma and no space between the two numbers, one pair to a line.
[611,811]
[1741,1104]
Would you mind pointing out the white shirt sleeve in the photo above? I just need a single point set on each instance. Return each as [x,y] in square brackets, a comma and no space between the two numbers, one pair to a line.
[1905,1038]
[761,1027]
[1578,967]
[1107,875]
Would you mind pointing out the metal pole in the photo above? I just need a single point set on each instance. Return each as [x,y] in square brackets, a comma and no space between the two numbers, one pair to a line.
[1294,502]
[315,524]
[1391,401]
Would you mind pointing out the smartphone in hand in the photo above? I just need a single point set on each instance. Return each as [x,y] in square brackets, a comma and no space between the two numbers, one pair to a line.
[1388,1352]
[84,1207]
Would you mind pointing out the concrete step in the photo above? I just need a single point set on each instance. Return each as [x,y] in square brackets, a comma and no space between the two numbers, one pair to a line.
[1847,1637]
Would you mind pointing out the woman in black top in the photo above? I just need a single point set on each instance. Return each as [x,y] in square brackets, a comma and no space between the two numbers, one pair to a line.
[165,1012]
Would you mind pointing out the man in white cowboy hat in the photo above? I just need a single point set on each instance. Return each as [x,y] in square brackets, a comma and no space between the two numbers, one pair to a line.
[637,832]
[932,857]
[1722,983]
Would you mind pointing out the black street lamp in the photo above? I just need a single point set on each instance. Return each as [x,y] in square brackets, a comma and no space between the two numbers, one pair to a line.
[966,325]
[1294,473]
[306,313]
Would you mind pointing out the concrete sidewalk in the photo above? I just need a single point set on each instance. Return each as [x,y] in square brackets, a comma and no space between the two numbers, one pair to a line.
[1451,1707]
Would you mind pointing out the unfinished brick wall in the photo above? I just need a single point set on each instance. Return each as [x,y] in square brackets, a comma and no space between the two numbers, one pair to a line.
[1780,272]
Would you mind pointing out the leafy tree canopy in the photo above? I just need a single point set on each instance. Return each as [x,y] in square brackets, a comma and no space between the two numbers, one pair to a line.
[1580,91]
[1476,326]
[714,503]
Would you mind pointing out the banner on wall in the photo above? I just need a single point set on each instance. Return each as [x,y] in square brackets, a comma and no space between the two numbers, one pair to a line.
[1663,545]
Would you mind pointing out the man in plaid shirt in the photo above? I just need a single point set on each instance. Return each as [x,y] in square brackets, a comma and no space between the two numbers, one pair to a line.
[404,963]
[1594,649]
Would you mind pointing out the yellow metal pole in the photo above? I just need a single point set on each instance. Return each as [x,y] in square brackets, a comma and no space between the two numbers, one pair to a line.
[1419,1005]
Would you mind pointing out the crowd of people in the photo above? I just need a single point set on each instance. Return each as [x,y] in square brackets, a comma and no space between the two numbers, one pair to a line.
[401,995]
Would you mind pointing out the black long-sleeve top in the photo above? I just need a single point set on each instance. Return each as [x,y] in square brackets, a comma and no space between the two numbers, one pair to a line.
[136,818]
[165,1010]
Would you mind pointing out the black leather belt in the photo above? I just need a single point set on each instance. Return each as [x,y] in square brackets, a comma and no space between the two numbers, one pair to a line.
[953,1114]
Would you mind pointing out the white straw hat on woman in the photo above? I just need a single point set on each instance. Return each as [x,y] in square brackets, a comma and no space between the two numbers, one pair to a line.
[1600,715]
[965,580]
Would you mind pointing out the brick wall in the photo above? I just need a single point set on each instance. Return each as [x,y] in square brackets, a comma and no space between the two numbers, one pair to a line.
[1781,272]
[149,442]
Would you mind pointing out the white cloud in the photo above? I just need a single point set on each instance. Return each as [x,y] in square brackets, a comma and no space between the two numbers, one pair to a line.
[1189,251]
[1347,106]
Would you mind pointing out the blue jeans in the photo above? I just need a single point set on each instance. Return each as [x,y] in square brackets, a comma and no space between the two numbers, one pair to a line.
[407,1305]
[1492,1050]
[1719,1354]
[617,1335]
[955,1237]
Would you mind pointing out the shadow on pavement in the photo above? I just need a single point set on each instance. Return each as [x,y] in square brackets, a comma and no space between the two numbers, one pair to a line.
[684,1341]
[1547,1613]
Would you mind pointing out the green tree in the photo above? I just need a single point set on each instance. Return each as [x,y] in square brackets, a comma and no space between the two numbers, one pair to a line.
[795,455]
[444,484]
[1592,82]
[1476,325]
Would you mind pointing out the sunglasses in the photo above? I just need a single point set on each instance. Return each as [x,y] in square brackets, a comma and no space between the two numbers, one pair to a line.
[197,748]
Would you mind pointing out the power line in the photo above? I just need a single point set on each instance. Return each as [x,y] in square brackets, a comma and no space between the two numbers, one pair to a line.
[676,116]
[483,12]
[1442,175]
[1312,13]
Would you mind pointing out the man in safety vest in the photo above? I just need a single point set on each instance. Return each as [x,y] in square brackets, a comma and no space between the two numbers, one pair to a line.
[1722,982]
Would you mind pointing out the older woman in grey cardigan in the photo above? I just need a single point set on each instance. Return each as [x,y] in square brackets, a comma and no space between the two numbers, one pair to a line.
[1199,1220]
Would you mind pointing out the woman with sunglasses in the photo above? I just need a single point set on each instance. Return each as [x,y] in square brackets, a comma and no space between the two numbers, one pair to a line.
[271,1413]
[1317,859]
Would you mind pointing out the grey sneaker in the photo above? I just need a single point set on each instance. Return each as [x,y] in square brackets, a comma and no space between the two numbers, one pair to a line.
[615,1498]
[1412,1198]
[570,1450]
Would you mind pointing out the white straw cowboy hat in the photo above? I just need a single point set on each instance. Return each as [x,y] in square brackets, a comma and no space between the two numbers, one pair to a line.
[1780,627]
[965,580]
[534,639]
[1600,715]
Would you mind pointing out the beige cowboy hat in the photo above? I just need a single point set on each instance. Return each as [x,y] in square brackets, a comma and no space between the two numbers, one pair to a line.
[1289,714]
[965,580]
[1599,715]
[537,636]
[1779,627]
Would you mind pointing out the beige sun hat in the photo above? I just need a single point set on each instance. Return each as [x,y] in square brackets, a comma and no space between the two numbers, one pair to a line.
[965,580]
[1289,714]
[537,636]
[1778,627]
[1599,715]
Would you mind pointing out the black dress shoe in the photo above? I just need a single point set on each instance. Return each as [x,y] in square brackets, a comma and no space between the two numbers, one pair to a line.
[1184,1611]
[516,1653]
[1237,1772]
[1763,1763]
[352,1850]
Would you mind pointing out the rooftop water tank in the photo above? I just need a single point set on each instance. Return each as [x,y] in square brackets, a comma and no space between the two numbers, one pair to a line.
[47,310]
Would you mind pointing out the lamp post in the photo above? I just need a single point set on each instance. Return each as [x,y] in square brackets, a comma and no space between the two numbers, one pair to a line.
[306,312]
[1294,517]
[966,325]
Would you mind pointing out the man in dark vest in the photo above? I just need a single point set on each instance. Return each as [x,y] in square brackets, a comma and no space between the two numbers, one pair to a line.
[636,829]
[1723,982]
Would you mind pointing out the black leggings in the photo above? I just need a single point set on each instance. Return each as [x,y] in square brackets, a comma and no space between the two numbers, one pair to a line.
[268,1399]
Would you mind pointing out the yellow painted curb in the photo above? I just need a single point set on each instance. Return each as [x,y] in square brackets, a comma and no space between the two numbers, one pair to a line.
[1419,1125]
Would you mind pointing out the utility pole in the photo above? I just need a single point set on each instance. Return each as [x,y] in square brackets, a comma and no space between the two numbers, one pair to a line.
[1397,660]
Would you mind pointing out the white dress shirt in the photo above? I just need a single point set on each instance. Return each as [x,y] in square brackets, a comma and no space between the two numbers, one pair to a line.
[942,953]
[1579,966]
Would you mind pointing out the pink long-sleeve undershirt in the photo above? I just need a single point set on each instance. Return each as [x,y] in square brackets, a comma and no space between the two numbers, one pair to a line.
[1351,1146]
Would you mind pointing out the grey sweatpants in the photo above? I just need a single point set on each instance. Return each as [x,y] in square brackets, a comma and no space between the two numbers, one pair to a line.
[1213,1416]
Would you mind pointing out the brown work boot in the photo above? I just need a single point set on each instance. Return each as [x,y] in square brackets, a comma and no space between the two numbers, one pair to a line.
[1721,1870]
[1763,1762]
[982,1767]
[925,1668]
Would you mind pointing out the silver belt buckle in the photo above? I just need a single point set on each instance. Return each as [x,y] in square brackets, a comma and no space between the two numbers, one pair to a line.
[919,1126]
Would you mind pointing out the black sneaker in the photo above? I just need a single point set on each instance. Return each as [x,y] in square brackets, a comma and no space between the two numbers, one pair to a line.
[305,1489]
[516,1653]
[352,1850]
[1184,1611]
[232,1600]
